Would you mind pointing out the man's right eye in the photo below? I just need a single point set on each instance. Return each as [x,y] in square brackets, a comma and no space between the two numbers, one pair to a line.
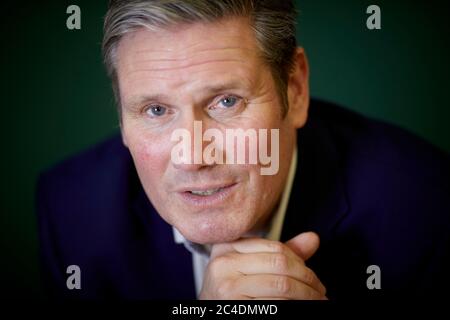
[156,111]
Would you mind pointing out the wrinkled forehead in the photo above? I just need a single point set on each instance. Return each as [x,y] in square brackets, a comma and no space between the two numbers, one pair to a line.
[187,44]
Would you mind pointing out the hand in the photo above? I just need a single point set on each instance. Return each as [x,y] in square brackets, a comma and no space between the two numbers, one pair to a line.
[254,268]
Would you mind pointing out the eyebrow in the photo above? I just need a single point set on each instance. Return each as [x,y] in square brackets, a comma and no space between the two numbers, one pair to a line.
[141,99]
[207,90]
[226,86]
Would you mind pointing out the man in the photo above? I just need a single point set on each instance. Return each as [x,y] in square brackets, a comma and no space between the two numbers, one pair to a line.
[141,224]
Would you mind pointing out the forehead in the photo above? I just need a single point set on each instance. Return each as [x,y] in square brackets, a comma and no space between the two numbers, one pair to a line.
[184,53]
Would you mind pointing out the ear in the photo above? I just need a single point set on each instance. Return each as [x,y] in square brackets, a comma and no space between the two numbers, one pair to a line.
[298,89]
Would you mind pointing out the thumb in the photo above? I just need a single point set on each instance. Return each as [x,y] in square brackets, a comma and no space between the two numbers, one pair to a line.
[305,244]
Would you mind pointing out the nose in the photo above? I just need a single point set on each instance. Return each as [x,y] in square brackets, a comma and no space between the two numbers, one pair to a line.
[191,144]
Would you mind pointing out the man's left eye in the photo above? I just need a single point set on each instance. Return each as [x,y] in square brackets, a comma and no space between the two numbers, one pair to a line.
[227,105]
[229,101]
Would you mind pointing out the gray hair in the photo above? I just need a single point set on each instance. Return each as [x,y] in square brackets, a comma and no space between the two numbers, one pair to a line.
[273,22]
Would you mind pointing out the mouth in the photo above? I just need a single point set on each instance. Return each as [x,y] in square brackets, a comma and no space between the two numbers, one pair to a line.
[207,196]
[207,192]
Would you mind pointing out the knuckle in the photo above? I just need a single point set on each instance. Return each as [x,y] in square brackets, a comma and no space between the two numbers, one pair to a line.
[280,262]
[219,267]
[275,246]
[283,285]
[308,276]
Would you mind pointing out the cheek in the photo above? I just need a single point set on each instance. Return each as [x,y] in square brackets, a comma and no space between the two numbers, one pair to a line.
[150,153]
[266,189]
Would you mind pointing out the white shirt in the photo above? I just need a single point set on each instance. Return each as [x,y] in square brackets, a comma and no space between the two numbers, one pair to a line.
[200,253]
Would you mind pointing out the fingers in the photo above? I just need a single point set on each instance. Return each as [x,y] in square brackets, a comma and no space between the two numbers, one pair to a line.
[275,286]
[253,245]
[245,245]
[304,245]
[273,263]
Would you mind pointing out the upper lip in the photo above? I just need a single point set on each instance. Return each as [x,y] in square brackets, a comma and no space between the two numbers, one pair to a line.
[205,187]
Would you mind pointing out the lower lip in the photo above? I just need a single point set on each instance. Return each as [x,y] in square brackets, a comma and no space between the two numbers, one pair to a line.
[211,200]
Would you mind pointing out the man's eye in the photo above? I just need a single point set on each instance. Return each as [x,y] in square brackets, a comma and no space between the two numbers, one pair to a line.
[229,101]
[156,111]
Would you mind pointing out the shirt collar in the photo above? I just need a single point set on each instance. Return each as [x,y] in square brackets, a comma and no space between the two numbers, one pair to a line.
[276,226]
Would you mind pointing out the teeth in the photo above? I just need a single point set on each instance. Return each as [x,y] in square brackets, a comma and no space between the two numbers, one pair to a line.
[206,192]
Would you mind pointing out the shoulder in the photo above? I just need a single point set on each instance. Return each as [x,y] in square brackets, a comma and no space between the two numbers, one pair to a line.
[94,185]
[99,165]
[370,151]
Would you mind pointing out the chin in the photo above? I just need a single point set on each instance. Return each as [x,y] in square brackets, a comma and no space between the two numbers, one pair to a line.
[210,234]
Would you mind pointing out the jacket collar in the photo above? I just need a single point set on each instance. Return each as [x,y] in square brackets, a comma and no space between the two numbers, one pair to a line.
[318,200]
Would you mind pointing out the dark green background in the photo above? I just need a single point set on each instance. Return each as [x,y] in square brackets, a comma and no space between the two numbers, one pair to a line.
[57,100]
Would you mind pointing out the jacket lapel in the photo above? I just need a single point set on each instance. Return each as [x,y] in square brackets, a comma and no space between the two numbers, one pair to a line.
[170,263]
[318,199]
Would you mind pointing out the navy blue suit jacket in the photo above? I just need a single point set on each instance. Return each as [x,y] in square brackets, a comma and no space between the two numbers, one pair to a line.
[375,194]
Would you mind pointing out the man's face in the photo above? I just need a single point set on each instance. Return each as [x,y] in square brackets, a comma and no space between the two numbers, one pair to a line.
[211,73]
